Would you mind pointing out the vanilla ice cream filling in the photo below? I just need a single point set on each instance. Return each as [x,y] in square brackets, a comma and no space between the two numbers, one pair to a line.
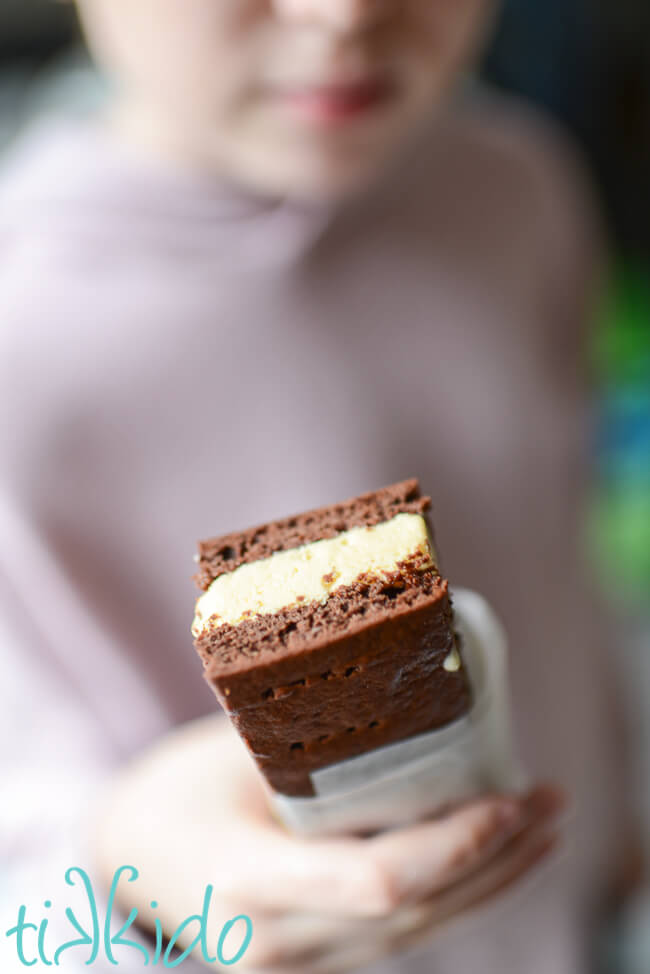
[312,572]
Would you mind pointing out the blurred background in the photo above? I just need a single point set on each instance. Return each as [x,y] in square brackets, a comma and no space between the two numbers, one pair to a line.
[587,62]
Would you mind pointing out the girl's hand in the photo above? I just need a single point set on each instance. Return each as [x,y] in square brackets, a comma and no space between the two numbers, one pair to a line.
[191,812]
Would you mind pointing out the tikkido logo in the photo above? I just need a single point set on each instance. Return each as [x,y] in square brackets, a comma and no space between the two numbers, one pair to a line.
[31,939]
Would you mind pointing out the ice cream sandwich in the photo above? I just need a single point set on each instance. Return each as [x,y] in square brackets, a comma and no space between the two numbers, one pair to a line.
[330,633]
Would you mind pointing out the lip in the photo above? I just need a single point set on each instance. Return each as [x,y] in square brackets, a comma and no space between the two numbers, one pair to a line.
[340,102]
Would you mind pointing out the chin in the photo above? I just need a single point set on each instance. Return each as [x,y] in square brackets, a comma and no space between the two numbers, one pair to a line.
[332,183]
[312,175]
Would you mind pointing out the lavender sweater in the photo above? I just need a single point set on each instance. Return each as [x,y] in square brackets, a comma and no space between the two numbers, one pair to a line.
[178,360]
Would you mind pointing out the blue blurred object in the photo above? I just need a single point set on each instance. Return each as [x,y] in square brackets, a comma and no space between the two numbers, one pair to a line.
[588,63]
[621,512]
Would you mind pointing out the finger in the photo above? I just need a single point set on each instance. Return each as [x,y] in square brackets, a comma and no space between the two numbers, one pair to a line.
[509,871]
[276,872]
[313,943]
[273,870]
[425,859]
[498,878]
[288,941]
[334,959]
[345,959]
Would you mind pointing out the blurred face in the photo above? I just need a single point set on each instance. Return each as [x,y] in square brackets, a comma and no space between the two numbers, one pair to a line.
[300,97]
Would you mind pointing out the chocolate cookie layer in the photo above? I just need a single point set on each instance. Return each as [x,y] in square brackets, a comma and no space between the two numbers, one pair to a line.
[226,553]
[319,682]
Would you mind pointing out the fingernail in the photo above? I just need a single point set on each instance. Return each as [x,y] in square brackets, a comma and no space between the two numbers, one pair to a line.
[509,816]
[545,802]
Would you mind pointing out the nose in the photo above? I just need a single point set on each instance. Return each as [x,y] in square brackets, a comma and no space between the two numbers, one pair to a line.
[340,15]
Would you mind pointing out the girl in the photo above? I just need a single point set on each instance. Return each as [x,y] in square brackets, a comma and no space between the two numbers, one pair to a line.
[288,265]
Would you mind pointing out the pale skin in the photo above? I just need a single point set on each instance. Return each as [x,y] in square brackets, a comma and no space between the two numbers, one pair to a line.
[309,99]
[240,88]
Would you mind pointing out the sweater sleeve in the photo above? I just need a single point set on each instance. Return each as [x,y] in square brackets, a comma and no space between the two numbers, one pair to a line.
[54,764]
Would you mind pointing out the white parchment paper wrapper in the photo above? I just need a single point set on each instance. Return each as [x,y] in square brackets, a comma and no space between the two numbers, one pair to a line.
[400,783]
